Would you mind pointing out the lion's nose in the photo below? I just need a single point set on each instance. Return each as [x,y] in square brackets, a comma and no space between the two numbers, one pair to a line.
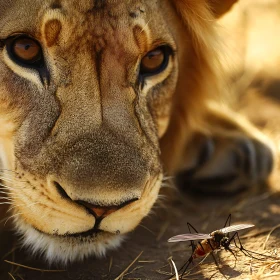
[99,211]
[103,211]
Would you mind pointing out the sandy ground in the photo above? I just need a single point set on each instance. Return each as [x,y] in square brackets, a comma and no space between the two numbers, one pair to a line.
[145,253]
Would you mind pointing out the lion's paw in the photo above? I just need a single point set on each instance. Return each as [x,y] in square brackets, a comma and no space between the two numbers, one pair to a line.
[225,165]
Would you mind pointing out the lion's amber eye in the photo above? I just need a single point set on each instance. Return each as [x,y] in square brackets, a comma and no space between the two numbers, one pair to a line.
[152,61]
[155,61]
[27,51]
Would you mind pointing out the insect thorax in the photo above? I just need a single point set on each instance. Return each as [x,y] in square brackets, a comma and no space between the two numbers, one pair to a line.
[219,237]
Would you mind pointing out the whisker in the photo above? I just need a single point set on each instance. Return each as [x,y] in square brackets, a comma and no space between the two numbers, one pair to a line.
[5,174]
[9,193]
[167,186]
[9,170]
[5,186]
[146,25]
[12,197]
[3,178]
[12,217]
[5,191]
[167,178]
[11,188]
[13,207]
[6,198]
[12,179]
[2,192]
[6,203]
[24,205]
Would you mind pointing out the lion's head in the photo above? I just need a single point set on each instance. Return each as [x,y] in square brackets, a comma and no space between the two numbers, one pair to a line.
[87,90]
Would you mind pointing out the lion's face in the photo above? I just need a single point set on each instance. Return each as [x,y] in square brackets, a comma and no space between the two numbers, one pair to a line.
[85,94]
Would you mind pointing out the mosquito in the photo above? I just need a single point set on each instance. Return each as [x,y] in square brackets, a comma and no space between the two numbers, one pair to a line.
[214,241]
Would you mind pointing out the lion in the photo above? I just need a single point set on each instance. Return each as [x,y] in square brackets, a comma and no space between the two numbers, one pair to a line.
[99,101]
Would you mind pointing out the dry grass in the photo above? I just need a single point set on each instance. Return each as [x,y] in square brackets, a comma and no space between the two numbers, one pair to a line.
[32,268]
[125,272]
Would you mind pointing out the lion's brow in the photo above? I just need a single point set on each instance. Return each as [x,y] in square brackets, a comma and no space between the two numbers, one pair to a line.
[99,4]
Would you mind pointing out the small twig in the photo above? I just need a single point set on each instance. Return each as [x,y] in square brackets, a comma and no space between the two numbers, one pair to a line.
[32,268]
[163,230]
[150,231]
[147,261]
[11,276]
[268,236]
[125,271]
[164,272]
[110,265]
[175,268]
[133,270]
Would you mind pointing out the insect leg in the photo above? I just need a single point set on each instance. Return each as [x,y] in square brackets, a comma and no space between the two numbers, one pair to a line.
[191,227]
[192,243]
[185,266]
[190,260]
[228,249]
[246,252]
[228,221]
[212,254]
[217,264]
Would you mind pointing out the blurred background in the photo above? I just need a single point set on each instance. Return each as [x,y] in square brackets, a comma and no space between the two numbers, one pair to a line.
[250,36]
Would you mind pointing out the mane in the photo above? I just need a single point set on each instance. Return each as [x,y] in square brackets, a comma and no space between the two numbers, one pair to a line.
[204,77]
[199,19]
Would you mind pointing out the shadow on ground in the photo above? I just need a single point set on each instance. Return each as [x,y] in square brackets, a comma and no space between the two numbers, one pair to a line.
[149,240]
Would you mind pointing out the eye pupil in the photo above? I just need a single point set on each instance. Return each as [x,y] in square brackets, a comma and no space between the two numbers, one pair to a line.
[26,50]
[152,61]
[155,61]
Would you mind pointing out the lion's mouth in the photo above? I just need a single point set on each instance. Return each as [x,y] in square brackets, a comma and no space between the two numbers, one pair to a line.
[92,233]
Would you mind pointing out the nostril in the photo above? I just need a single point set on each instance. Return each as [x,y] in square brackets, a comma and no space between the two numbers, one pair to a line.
[61,191]
[99,211]
[103,211]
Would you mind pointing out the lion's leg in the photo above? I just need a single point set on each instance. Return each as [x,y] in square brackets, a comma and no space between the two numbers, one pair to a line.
[233,155]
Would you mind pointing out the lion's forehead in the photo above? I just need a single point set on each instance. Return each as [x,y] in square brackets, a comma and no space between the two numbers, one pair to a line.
[94,27]
[102,18]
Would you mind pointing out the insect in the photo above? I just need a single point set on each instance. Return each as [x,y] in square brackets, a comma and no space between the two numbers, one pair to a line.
[216,240]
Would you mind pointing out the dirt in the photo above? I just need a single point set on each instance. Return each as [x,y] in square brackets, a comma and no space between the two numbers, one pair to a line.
[149,243]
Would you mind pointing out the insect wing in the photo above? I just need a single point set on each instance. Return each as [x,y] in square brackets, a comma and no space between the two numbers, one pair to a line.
[189,237]
[235,228]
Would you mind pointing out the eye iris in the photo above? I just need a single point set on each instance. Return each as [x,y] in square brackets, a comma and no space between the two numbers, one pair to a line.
[27,50]
[152,61]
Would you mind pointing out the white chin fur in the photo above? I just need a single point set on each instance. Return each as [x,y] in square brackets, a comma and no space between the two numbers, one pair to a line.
[63,250]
